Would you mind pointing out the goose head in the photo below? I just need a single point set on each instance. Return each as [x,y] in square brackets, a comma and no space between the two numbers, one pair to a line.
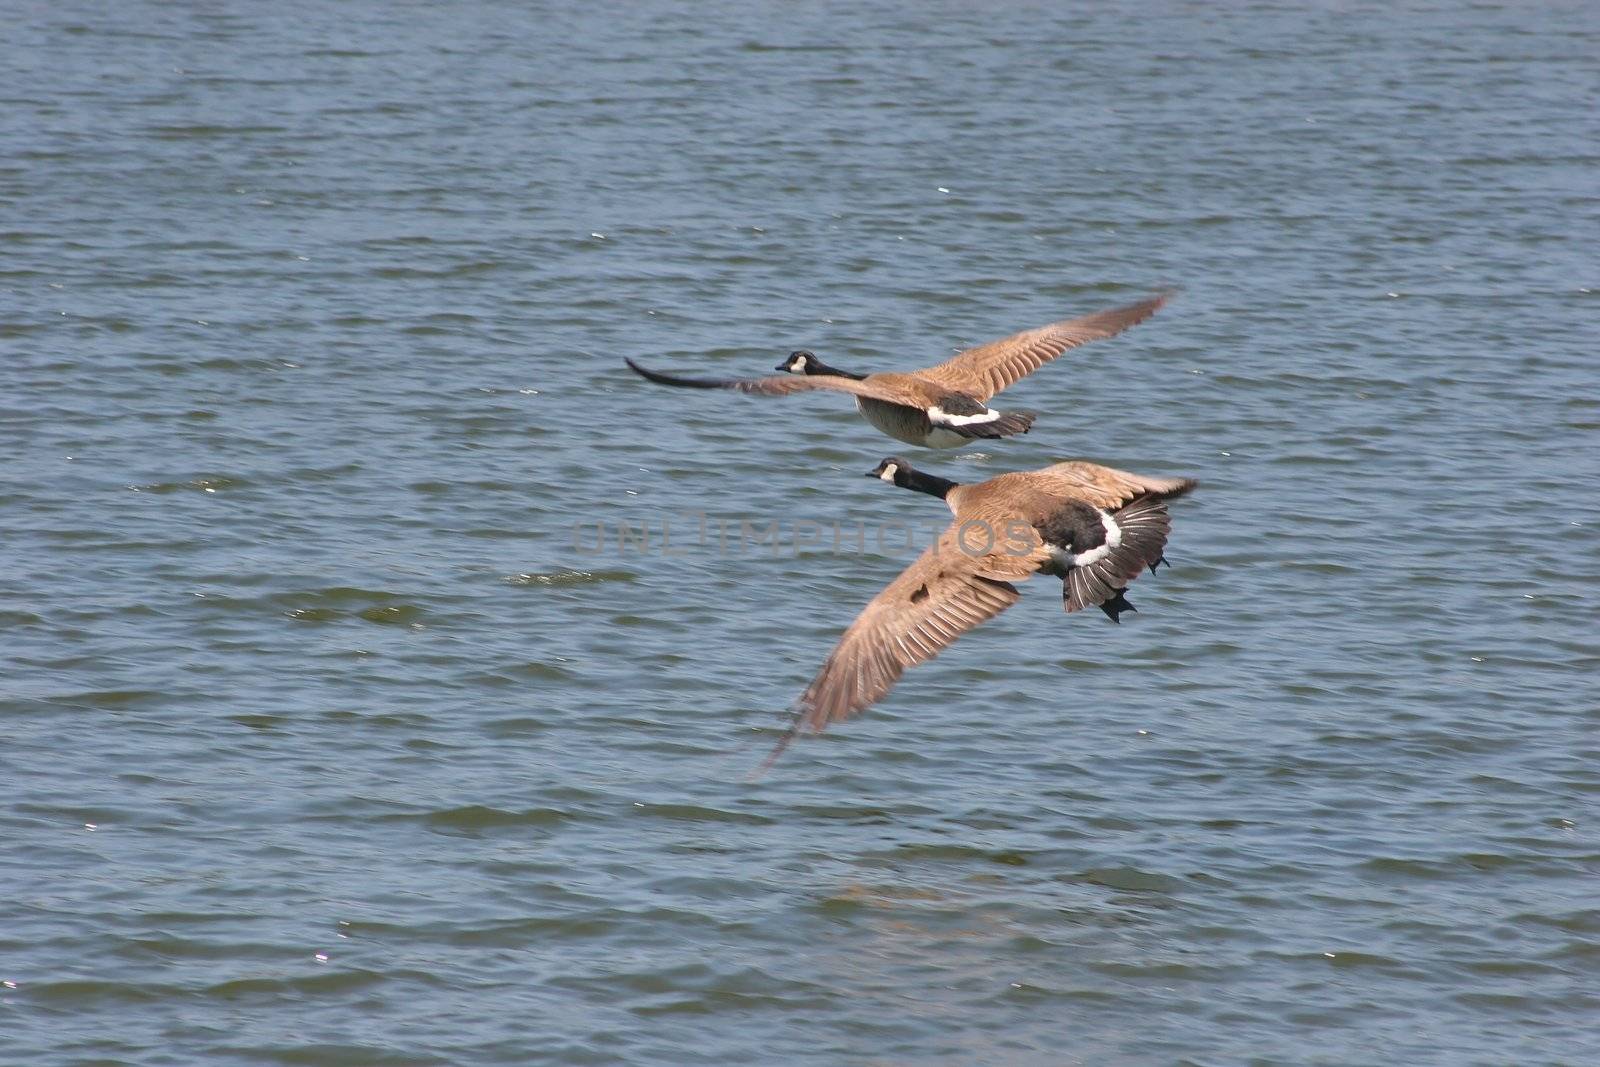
[897,471]
[893,470]
[801,362]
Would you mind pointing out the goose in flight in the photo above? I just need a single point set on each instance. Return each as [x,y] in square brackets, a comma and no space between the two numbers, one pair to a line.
[945,406]
[1093,527]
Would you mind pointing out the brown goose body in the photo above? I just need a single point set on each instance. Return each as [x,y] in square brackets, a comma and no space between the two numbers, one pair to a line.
[914,426]
[944,406]
[1096,528]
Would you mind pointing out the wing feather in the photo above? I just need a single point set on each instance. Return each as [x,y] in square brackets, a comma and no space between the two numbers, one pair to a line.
[1105,487]
[983,371]
[927,608]
[778,384]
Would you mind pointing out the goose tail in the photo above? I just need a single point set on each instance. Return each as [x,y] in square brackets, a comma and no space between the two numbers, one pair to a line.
[1143,526]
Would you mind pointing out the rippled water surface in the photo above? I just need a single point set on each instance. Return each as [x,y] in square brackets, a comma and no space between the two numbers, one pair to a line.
[342,725]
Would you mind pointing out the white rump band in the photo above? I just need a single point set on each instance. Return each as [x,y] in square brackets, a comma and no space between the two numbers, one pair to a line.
[939,415]
[1100,552]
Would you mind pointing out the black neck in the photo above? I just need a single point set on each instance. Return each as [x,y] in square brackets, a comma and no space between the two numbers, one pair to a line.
[816,366]
[931,484]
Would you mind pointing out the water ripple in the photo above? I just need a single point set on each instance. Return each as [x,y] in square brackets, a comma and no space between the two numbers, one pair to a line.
[316,708]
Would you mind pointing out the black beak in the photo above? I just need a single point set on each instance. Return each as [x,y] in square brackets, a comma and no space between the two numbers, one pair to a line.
[781,366]
[875,474]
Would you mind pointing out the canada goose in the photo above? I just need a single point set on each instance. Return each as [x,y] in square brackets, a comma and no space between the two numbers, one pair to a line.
[944,406]
[1093,527]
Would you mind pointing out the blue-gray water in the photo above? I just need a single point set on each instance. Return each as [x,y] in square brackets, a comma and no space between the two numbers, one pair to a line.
[325,743]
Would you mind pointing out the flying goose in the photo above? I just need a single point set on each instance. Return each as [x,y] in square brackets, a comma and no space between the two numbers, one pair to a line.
[944,406]
[1093,527]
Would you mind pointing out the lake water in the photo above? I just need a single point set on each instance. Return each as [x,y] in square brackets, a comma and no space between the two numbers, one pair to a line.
[330,735]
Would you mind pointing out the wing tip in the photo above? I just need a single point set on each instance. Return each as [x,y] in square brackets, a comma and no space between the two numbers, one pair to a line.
[672,379]
[1146,488]
[644,372]
[804,719]
[759,770]
[1152,303]
[1185,487]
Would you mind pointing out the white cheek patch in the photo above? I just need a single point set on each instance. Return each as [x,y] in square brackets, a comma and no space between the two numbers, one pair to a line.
[938,415]
[1100,552]
[889,473]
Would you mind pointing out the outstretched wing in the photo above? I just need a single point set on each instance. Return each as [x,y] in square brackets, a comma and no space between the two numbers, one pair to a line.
[1105,487]
[984,371]
[938,598]
[772,385]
